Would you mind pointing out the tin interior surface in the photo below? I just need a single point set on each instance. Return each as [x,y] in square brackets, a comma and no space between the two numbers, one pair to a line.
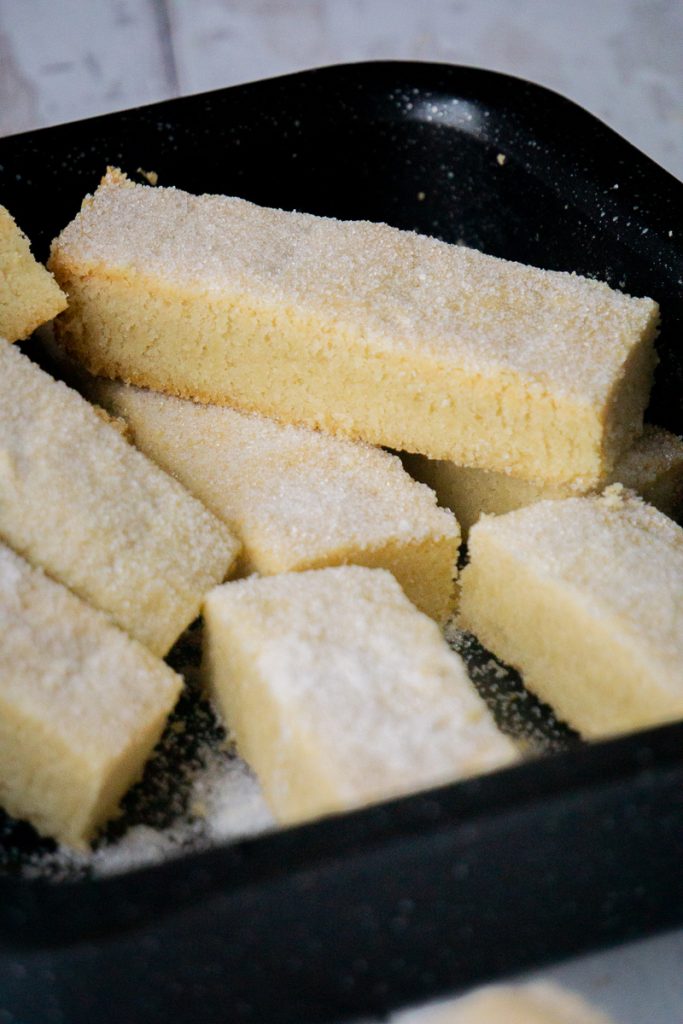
[358,914]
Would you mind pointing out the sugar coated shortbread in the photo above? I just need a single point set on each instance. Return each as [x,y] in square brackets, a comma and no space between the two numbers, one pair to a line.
[29,294]
[296,498]
[653,467]
[585,597]
[536,1003]
[356,328]
[81,705]
[340,693]
[77,499]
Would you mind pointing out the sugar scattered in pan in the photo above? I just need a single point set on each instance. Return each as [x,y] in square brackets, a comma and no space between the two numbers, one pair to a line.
[196,792]
[517,712]
[225,804]
[228,798]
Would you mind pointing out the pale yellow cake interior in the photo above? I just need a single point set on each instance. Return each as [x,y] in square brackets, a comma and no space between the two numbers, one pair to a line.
[584,596]
[297,499]
[29,294]
[356,328]
[81,705]
[96,514]
[653,467]
[535,1003]
[340,693]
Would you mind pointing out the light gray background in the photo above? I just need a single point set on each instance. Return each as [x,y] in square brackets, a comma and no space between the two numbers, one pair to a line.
[65,59]
[622,59]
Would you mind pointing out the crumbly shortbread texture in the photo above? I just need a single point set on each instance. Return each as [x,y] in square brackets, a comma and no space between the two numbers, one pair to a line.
[81,705]
[356,328]
[340,693]
[585,597]
[96,514]
[29,294]
[296,498]
[536,1003]
[653,467]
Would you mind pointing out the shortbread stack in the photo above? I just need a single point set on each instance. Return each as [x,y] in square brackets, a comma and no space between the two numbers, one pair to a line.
[256,359]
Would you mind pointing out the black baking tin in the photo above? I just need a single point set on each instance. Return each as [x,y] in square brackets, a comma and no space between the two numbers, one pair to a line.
[359,914]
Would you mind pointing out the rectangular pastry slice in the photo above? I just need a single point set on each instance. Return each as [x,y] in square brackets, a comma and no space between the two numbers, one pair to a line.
[536,1003]
[357,329]
[81,705]
[96,514]
[653,467]
[585,597]
[297,499]
[340,693]
[29,294]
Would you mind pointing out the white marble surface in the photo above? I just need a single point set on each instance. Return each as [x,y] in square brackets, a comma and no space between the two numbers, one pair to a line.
[62,60]
[65,59]
[639,983]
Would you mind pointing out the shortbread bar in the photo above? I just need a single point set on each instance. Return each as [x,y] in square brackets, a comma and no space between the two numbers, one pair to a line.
[585,597]
[81,705]
[297,499]
[29,294]
[340,693]
[96,514]
[356,328]
[536,1003]
[653,467]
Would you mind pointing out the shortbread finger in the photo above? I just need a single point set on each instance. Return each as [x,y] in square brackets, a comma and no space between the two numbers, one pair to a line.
[537,1003]
[297,499]
[29,294]
[81,705]
[340,693]
[96,514]
[356,328]
[653,467]
[585,597]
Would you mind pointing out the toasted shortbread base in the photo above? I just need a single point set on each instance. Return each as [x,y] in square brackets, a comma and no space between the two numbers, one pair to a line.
[653,468]
[29,294]
[357,329]
[340,693]
[296,499]
[585,597]
[80,501]
[81,705]
[537,1003]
